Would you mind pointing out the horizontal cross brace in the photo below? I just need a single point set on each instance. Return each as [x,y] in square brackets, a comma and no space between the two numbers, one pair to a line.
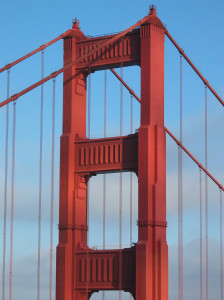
[100,269]
[125,51]
[102,45]
[107,155]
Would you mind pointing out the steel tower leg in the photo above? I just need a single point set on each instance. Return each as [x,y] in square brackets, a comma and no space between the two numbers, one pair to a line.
[72,202]
[152,250]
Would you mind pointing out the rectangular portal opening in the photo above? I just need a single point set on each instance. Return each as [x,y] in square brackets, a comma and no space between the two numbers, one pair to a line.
[113,214]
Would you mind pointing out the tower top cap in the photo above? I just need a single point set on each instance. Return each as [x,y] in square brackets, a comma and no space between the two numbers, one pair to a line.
[75,31]
[75,23]
[152,10]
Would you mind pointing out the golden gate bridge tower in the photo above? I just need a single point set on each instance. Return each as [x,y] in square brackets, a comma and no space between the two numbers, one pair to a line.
[142,269]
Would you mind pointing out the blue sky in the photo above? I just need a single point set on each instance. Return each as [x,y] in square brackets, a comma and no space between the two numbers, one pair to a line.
[197,26]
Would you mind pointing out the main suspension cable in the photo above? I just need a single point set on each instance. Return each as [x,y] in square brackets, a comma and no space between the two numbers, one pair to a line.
[52,190]
[5,186]
[194,68]
[195,160]
[12,199]
[78,60]
[126,85]
[40,177]
[10,65]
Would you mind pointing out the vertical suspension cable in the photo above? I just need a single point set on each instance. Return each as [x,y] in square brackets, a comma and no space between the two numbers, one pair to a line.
[88,136]
[40,177]
[104,175]
[52,191]
[89,105]
[180,200]
[201,294]
[221,259]
[131,196]
[121,131]
[12,199]
[120,196]
[206,188]
[5,187]
[88,187]
[131,131]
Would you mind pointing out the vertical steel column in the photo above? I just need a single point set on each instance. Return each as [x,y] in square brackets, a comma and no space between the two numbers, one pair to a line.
[72,197]
[151,249]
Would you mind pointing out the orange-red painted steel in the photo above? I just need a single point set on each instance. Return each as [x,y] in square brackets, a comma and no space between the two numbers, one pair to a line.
[127,87]
[102,46]
[195,160]
[151,249]
[194,68]
[10,65]
[85,60]
[107,154]
[144,268]
[101,269]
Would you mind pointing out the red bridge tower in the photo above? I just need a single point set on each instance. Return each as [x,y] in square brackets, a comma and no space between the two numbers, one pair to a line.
[143,269]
